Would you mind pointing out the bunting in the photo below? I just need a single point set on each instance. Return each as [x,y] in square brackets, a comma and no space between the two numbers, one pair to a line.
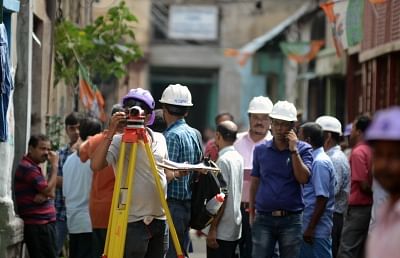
[354,22]
[301,52]
[335,11]
[91,97]
[377,1]
[241,57]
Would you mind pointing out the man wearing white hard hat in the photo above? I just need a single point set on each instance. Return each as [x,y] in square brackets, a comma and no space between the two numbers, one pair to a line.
[280,167]
[332,131]
[258,111]
[183,143]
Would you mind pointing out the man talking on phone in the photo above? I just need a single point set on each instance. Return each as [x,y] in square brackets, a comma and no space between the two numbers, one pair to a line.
[280,167]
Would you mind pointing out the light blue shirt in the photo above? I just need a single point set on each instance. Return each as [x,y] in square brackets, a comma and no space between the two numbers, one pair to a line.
[77,182]
[342,176]
[322,183]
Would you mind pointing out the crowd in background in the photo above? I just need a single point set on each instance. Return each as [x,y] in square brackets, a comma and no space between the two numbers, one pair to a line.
[295,188]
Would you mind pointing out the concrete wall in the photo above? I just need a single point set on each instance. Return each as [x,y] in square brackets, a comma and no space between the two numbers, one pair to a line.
[240,22]
[41,67]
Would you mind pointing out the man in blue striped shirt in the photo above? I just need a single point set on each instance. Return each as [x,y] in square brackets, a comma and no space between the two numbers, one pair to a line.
[183,143]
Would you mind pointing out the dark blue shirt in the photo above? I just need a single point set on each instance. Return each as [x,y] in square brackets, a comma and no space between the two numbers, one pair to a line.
[278,188]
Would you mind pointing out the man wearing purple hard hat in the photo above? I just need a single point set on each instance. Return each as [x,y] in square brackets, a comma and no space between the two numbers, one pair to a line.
[147,232]
[143,99]
[384,138]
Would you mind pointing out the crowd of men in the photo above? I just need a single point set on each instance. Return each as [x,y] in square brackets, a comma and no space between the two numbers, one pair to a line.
[292,190]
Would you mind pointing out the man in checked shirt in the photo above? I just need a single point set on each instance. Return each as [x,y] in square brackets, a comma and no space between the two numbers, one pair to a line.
[72,122]
[183,146]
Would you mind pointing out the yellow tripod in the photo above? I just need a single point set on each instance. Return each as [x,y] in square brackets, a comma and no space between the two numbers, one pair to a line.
[122,195]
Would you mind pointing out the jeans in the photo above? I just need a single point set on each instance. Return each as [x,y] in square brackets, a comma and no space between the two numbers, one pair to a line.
[62,232]
[146,241]
[180,212]
[320,248]
[286,230]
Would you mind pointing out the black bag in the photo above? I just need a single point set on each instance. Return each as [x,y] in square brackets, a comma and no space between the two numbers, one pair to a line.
[204,187]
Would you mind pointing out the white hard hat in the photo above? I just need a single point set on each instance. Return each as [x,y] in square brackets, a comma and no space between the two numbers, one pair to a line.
[284,110]
[176,94]
[330,123]
[260,105]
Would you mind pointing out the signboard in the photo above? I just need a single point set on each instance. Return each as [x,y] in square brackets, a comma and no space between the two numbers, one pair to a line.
[193,22]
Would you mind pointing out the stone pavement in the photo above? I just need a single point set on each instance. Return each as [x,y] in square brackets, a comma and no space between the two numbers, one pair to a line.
[199,246]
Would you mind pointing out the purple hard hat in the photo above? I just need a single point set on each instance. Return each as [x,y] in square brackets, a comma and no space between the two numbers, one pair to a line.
[143,96]
[385,125]
[347,129]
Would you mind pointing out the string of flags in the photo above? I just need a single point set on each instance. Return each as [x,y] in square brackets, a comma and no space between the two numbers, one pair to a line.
[301,52]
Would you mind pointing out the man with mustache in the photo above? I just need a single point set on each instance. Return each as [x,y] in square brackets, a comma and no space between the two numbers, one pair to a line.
[259,121]
[34,197]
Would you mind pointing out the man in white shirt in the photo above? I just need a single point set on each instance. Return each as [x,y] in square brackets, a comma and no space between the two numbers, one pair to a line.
[147,231]
[225,230]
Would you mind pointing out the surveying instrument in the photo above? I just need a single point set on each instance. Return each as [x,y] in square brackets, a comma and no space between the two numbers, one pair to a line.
[134,132]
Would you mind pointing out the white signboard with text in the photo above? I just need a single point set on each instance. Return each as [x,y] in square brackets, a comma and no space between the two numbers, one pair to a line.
[195,22]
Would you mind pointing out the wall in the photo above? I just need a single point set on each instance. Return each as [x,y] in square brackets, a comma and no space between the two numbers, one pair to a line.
[240,22]
[11,227]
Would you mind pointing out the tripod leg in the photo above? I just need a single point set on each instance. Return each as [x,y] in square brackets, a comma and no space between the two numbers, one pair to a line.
[164,204]
[115,196]
[122,196]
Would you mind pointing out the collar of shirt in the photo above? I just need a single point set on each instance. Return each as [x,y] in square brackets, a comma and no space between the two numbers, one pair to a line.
[267,137]
[271,144]
[317,151]
[333,149]
[225,149]
[175,124]
[27,159]
[359,144]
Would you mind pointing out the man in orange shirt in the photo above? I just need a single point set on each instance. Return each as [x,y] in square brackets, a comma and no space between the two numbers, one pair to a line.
[102,190]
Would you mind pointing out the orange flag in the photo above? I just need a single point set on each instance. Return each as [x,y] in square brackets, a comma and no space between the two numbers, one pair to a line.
[86,93]
[91,98]
[328,8]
